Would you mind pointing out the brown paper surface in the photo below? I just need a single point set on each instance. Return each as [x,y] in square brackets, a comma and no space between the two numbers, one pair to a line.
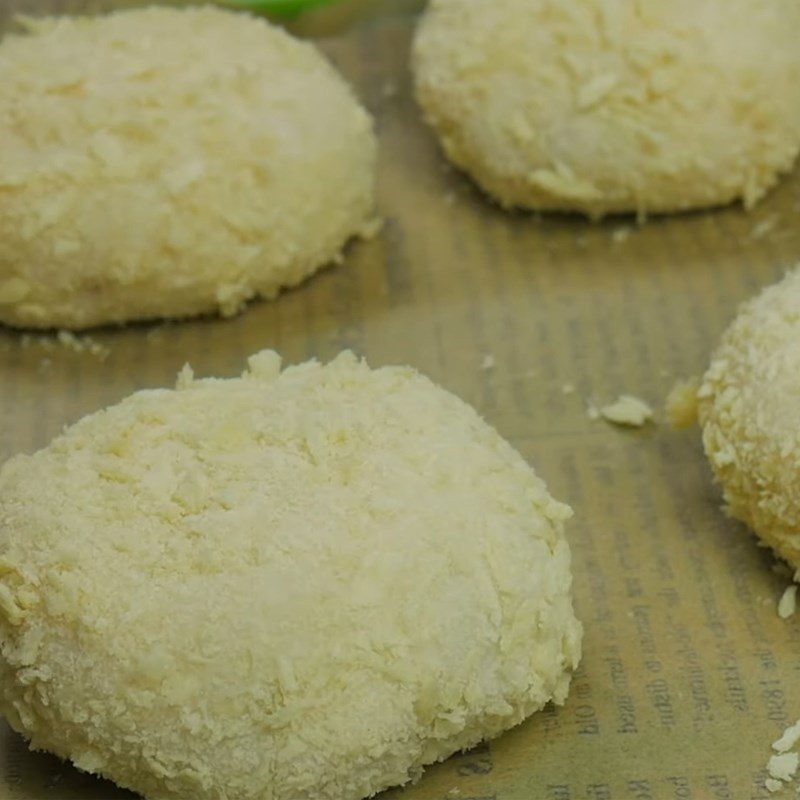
[688,673]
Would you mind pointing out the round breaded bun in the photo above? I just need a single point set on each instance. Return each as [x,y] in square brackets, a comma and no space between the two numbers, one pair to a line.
[602,107]
[165,163]
[296,586]
[749,407]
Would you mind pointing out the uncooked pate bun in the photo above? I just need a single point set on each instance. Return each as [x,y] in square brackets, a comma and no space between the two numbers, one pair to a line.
[296,586]
[165,163]
[749,407]
[603,107]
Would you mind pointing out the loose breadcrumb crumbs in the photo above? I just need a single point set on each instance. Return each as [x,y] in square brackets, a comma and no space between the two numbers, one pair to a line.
[627,410]
[82,344]
[680,407]
[68,341]
[783,766]
[788,739]
[787,605]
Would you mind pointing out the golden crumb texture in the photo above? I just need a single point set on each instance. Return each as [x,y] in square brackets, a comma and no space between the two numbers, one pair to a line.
[164,163]
[748,406]
[296,585]
[602,107]
[680,406]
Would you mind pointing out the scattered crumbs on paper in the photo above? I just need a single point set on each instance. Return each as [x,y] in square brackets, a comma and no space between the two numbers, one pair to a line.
[783,766]
[82,344]
[454,792]
[67,340]
[568,388]
[764,227]
[70,341]
[788,739]
[592,411]
[787,605]
[621,235]
[488,362]
[626,410]
[680,406]
[389,89]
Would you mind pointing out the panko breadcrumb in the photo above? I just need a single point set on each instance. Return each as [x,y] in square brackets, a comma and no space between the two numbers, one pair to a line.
[788,738]
[748,406]
[297,585]
[787,605]
[680,406]
[627,410]
[783,766]
[602,107]
[163,163]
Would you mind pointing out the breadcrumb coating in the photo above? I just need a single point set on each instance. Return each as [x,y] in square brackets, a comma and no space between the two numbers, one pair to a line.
[600,107]
[164,163]
[748,409]
[297,585]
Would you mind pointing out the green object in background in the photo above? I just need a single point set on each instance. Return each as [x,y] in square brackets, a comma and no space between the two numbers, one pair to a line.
[280,8]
